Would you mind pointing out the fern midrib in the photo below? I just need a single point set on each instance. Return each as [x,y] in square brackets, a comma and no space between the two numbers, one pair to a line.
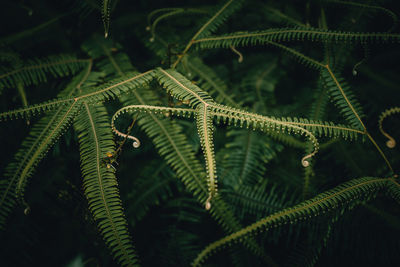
[212,19]
[39,150]
[359,119]
[209,153]
[297,53]
[43,66]
[99,178]
[358,35]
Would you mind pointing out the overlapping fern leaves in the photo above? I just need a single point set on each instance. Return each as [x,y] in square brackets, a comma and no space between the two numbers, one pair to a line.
[363,189]
[100,184]
[210,103]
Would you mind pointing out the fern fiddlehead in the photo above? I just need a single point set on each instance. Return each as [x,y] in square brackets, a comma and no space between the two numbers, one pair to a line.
[391,143]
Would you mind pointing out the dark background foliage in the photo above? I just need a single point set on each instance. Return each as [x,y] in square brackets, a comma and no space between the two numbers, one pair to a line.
[169,227]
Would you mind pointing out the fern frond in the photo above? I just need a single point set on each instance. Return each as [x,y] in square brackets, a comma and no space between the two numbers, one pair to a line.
[94,95]
[174,147]
[300,57]
[391,143]
[182,89]
[37,71]
[116,87]
[205,130]
[343,98]
[290,34]
[363,189]
[100,184]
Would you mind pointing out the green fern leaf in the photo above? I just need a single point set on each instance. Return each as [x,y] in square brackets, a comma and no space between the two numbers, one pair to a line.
[290,34]
[37,71]
[92,95]
[363,189]
[100,184]
[257,199]
[344,99]
[205,129]
[173,146]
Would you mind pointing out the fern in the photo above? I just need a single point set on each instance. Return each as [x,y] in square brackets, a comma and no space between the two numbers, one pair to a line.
[96,94]
[344,99]
[245,158]
[182,89]
[290,34]
[100,183]
[199,110]
[363,189]
[172,145]
[36,71]
[42,137]
[205,128]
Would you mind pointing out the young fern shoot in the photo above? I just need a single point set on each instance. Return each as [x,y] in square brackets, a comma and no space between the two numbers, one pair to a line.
[391,143]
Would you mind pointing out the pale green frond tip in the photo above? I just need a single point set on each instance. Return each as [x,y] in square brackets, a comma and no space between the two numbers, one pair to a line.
[391,143]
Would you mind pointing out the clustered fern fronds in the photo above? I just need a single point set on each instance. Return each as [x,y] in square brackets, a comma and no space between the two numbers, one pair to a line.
[225,126]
